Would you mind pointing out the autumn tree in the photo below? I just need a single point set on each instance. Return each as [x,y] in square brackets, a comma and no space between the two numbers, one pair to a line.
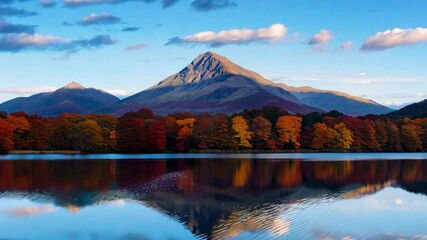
[261,128]
[410,136]
[172,129]
[289,129]
[393,136]
[20,126]
[41,130]
[62,136]
[322,137]
[422,124]
[381,133]
[6,136]
[367,136]
[343,137]
[129,135]
[185,133]
[88,137]
[222,136]
[156,136]
[203,132]
[241,133]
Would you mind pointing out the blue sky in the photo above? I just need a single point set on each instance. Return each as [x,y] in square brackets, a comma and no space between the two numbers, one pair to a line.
[374,49]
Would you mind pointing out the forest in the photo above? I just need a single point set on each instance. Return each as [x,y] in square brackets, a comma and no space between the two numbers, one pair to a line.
[270,129]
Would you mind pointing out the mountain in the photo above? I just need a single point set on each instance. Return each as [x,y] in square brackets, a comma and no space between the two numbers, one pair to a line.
[334,100]
[212,83]
[72,98]
[414,110]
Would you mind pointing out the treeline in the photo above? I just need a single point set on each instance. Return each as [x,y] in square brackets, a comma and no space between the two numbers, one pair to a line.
[270,128]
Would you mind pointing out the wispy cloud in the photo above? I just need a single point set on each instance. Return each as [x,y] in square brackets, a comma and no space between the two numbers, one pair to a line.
[234,36]
[99,19]
[321,40]
[15,12]
[395,38]
[365,80]
[136,47]
[209,5]
[38,42]
[26,91]
[130,29]
[346,45]
[5,2]
[47,3]
[83,3]
[168,3]
[358,79]
[6,27]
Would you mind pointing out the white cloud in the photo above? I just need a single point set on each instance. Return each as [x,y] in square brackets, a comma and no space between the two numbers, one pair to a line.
[235,36]
[322,37]
[395,38]
[119,92]
[321,40]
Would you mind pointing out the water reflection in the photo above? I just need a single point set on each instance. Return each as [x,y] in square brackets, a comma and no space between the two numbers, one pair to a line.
[214,198]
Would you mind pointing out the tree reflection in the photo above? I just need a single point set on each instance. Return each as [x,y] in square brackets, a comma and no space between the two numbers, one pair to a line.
[212,197]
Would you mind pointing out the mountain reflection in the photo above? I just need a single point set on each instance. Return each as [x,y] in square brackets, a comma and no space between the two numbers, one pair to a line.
[214,198]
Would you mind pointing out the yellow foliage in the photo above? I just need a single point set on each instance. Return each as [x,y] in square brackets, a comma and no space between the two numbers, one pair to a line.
[241,131]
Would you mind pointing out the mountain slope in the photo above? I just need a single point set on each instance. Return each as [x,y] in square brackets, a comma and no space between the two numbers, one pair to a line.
[414,110]
[73,98]
[212,83]
[334,100]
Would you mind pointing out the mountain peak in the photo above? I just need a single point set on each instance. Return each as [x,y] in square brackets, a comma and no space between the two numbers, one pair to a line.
[73,85]
[208,65]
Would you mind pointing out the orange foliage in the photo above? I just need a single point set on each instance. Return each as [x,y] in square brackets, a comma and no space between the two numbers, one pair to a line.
[289,130]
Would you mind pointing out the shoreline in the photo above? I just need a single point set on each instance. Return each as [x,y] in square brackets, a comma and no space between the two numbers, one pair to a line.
[28,152]
[211,151]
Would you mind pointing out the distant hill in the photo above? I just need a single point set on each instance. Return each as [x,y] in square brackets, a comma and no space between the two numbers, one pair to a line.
[334,100]
[72,98]
[414,110]
[212,83]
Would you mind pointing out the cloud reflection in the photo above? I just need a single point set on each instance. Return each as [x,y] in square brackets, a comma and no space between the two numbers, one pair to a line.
[28,211]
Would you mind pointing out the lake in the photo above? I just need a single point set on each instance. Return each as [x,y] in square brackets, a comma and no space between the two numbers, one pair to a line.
[214,196]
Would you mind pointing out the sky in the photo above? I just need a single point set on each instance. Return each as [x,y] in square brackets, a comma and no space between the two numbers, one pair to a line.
[373,49]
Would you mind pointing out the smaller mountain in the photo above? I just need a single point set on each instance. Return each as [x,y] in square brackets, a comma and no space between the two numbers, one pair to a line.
[333,100]
[413,111]
[72,98]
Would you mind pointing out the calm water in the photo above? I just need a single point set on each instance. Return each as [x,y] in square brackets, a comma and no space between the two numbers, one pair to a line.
[277,196]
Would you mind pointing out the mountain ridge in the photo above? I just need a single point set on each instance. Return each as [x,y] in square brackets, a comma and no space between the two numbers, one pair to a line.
[212,83]
[414,110]
[329,100]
